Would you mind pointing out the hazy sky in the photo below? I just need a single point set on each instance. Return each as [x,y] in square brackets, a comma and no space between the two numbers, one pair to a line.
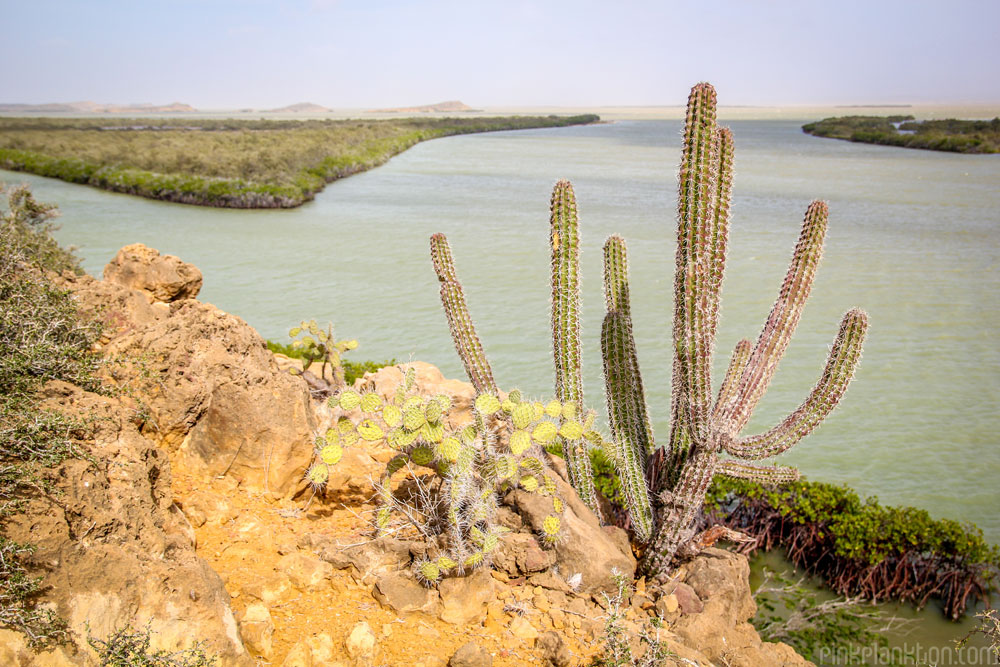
[371,53]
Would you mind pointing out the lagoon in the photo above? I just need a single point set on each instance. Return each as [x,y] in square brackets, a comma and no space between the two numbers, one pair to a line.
[914,239]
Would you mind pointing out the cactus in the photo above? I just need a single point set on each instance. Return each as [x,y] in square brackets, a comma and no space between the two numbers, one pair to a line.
[566,349]
[315,344]
[665,488]
[564,242]
[502,449]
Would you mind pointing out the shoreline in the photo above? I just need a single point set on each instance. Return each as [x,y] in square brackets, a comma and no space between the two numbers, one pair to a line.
[218,192]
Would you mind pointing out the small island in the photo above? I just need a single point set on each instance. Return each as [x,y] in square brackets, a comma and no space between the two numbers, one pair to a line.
[227,163]
[956,136]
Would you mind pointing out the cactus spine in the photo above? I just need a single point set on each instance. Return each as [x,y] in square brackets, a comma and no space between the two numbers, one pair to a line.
[700,429]
[463,332]
[665,486]
[631,432]
[564,242]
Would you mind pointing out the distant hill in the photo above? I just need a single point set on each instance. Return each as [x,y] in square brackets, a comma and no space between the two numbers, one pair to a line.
[96,107]
[452,105]
[301,107]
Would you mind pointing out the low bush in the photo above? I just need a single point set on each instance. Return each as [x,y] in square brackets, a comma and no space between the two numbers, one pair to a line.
[861,547]
[42,338]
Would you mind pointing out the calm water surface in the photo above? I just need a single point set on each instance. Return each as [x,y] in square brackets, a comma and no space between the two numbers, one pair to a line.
[914,239]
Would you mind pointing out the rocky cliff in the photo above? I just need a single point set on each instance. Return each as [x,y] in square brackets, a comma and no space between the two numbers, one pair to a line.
[192,517]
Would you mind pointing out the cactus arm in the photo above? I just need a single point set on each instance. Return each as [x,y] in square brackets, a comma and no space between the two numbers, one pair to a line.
[737,364]
[463,332]
[628,432]
[767,475]
[617,300]
[632,433]
[784,316]
[840,365]
[564,243]
[697,200]
[441,258]
[719,233]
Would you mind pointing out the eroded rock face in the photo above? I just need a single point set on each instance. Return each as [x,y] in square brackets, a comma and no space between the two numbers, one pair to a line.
[585,549]
[216,397]
[111,547]
[721,631]
[160,277]
[212,391]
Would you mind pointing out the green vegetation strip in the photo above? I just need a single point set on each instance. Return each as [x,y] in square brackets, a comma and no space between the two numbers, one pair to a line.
[861,547]
[957,136]
[352,369]
[227,163]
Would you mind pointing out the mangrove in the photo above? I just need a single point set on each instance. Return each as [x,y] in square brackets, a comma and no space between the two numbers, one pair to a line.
[956,136]
[225,162]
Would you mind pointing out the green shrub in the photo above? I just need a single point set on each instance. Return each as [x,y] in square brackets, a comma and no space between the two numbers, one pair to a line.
[127,647]
[41,338]
[231,163]
[19,597]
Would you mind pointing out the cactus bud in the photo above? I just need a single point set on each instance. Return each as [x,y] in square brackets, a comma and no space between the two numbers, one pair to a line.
[428,572]
[551,526]
[318,474]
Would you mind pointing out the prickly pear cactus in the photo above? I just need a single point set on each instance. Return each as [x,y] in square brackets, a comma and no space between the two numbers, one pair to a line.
[502,448]
[317,345]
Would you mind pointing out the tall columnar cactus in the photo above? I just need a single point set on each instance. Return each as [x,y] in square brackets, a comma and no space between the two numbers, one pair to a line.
[665,486]
[665,489]
[631,432]
[564,241]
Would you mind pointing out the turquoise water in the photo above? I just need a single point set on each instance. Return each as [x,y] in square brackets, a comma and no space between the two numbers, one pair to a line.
[914,239]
